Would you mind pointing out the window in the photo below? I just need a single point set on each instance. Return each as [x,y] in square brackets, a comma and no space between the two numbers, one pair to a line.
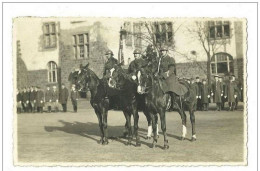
[219,29]
[163,32]
[49,35]
[137,35]
[81,46]
[222,63]
[52,72]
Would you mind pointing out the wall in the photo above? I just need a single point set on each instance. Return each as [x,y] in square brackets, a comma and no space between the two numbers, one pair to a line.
[21,73]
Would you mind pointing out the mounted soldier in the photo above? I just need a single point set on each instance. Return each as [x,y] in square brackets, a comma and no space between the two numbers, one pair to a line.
[137,63]
[167,70]
[110,63]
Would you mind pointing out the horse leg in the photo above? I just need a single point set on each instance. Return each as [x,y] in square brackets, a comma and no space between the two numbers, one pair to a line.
[104,119]
[163,127]
[149,121]
[192,119]
[128,123]
[99,116]
[154,129]
[125,132]
[183,118]
[157,129]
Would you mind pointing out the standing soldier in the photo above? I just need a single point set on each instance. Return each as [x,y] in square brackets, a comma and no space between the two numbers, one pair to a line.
[216,91]
[23,94]
[198,83]
[194,88]
[19,101]
[55,98]
[231,93]
[39,99]
[28,103]
[238,95]
[223,87]
[205,95]
[74,95]
[48,98]
[64,94]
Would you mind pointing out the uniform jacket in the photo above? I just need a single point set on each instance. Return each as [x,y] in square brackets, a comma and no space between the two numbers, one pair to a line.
[74,95]
[55,95]
[48,95]
[39,98]
[32,96]
[26,96]
[136,64]
[230,91]
[164,64]
[198,86]
[109,65]
[205,91]
[19,97]
[64,94]
[216,89]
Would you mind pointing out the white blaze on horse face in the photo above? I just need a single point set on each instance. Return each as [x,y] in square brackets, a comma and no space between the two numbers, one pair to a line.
[110,79]
[139,88]
[184,131]
[139,76]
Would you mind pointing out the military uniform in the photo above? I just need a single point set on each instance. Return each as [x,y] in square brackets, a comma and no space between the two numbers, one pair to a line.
[223,99]
[64,94]
[216,89]
[205,95]
[55,100]
[48,99]
[27,101]
[111,62]
[231,93]
[135,65]
[198,95]
[74,95]
[19,102]
[166,64]
[39,101]
[32,100]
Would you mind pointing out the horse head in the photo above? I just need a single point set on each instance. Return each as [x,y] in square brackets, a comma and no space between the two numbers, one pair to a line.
[144,80]
[116,77]
[83,78]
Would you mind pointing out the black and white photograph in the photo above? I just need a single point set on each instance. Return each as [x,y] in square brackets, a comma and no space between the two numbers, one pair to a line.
[129,90]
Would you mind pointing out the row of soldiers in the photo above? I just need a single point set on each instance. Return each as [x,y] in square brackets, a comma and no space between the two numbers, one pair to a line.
[34,99]
[221,92]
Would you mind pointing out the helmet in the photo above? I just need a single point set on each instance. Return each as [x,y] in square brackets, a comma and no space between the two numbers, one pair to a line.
[109,52]
[164,48]
[137,51]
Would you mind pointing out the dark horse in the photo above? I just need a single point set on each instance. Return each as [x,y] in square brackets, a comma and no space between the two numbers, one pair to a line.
[156,102]
[101,96]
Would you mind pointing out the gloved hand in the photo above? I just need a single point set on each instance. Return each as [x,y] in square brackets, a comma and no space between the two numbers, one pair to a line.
[225,97]
[208,96]
[57,100]
[50,100]
[212,94]
[221,94]
[133,77]
[235,96]
[199,97]
[41,101]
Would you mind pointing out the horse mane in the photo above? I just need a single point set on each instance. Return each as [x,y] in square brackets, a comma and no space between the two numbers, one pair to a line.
[92,73]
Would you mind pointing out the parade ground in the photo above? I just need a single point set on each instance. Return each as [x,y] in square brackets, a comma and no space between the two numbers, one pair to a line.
[73,137]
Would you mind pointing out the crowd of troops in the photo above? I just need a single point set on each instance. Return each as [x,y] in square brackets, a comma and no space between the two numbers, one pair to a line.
[34,99]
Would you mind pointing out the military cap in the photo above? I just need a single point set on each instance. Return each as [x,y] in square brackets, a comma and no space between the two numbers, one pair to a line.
[137,51]
[216,76]
[204,79]
[164,48]
[233,76]
[109,52]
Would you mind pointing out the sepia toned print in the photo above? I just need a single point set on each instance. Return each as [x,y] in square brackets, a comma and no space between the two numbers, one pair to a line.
[130,91]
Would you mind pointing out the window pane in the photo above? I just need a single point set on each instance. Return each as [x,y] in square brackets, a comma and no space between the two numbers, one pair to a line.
[50,79]
[213,68]
[54,76]
[219,31]
[163,25]
[81,51]
[75,52]
[47,40]
[75,39]
[212,32]
[226,30]
[47,29]
[169,36]
[86,51]
[86,38]
[222,67]
[53,29]
[169,27]
[163,38]
[81,39]
[53,40]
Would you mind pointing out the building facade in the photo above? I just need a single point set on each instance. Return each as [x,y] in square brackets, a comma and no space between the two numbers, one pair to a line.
[47,50]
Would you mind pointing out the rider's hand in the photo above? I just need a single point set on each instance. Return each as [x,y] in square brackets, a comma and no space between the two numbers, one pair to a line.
[212,94]
[235,96]
[197,97]
[208,96]
[133,77]
[200,97]
[221,94]
[225,97]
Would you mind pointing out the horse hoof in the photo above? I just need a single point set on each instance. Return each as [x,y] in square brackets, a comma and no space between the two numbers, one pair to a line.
[128,143]
[193,139]
[166,147]
[147,137]
[182,138]
[153,146]
[100,141]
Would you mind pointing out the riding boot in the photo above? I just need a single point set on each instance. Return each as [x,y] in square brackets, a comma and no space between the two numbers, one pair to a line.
[219,104]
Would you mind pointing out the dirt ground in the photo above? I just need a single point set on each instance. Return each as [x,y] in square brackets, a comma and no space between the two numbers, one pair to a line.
[73,137]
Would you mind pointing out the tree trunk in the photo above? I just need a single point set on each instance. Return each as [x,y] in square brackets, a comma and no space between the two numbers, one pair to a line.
[208,69]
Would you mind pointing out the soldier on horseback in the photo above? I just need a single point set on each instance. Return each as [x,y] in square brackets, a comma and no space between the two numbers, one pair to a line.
[139,62]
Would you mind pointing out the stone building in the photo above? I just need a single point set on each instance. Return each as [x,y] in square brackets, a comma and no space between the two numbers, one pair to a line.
[48,49]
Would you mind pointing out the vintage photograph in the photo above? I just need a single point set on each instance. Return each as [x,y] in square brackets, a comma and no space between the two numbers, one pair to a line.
[129,91]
